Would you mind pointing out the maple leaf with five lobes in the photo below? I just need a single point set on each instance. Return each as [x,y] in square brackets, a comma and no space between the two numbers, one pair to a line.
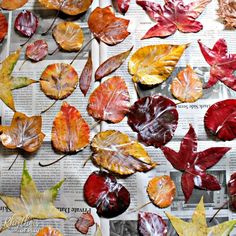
[194,164]
[31,204]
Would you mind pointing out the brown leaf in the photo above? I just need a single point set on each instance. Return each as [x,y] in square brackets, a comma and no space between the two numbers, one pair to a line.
[12,4]
[227,11]
[84,222]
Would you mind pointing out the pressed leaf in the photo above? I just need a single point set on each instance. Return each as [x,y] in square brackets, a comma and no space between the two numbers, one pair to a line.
[102,191]
[49,231]
[107,27]
[86,76]
[161,190]
[110,100]
[227,12]
[3,27]
[187,87]
[155,120]
[84,222]
[198,225]
[223,64]
[111,64]
[98,231]
[151,65]
[118,153]
[12,4]
[194,164]
[58,80]
[232,191]
[70,132]
[69,36]
[31,204]
[123,5]
[37,50]
[151,224]
[220,119]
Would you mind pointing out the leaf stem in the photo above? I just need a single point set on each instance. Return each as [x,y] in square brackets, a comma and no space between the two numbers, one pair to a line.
[134,210]
[42,112]
[136,89]
[22,64]
[49,164]
[95,124]
[13,161]
[86,161]
[54,51]
[23,44]
[212,218]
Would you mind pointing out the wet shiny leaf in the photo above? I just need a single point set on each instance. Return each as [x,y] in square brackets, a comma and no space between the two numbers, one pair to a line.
[3,27]
[37,50]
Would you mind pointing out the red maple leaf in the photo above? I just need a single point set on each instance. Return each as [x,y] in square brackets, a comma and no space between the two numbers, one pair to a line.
[194,164]
[223,65]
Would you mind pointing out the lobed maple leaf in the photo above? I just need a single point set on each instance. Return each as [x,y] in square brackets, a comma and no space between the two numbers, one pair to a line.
[222,64]
[194,164]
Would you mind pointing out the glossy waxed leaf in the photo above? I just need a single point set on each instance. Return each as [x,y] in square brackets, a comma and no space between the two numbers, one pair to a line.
[70,132]
[220,119]
[123,5]
[155,119]
[58,80]
[194,164]
[70,7]
[84,222]
[110,100]
[111,64]
[223,64]
[24,133]
[227,12]
[151,224]
[102,191]
[12,4]
[31,204]
[48,231]
[107,27]
[69,36]
[37,50]
[161,190]
[3,27]
[153,64]
[86,76]
[26,23]
[232,190]
[198,226]
[118,153]
[187,87]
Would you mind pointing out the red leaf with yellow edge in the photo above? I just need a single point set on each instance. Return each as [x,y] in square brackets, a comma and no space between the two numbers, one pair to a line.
[37,50]
[3,27]
[110,100]
[49,231]
[70,132]
[84,222]
[12,4]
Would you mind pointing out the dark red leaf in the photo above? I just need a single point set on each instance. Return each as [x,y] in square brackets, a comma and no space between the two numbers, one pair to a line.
[194,164]
[37,50]
[3,27]
[155,119]
[26,23]
[86,76]
[150,224]
[84,222]
[222,64]
[232,190]
[123,5]
[102,191]
[220,119]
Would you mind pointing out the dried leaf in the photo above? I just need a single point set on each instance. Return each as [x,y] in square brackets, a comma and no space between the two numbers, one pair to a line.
[49,231]
[223,65]
[70,7]
[86,76]
[3,27]
[194,164]
[84,222]
[37,50]
[12,4]
[220,119]
[187,87]
[58,80]
[31,204]
[123,5]
[110,100]
[227,11]
[151,65]
[161,190]
[198,225]
[107,27]
[70,132]
[102,191]
[232,191]
[118,153]
[111,64]
[69,36]
[155,120]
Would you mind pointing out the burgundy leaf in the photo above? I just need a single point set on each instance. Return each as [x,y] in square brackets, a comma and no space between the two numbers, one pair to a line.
[84,222]
[155,119]
[232,190]
[150,224]
[222,64]
[102,191]
[26,23]
[194,164]
[123,5]
[37,50]
[86,76]
[220,119]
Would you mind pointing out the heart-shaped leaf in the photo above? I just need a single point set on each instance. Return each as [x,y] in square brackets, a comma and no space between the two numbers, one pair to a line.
[37,50]
[12,4]
[3,27]
[123,5]
[107,27]
[102,191]
[84,222]
[155,120]
[49,231]
[118,153]
[110,100]
[151,65]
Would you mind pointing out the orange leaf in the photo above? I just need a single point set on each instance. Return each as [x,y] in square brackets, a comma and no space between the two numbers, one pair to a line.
[161,190]
[107,27]
[48,231]
[58,80]
[187,87]
[70,132]
[110,100]
[24,133]
[69,36]
[12,4]
[3,27]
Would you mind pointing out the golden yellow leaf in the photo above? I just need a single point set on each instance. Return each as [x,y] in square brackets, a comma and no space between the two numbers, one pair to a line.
[49,231]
